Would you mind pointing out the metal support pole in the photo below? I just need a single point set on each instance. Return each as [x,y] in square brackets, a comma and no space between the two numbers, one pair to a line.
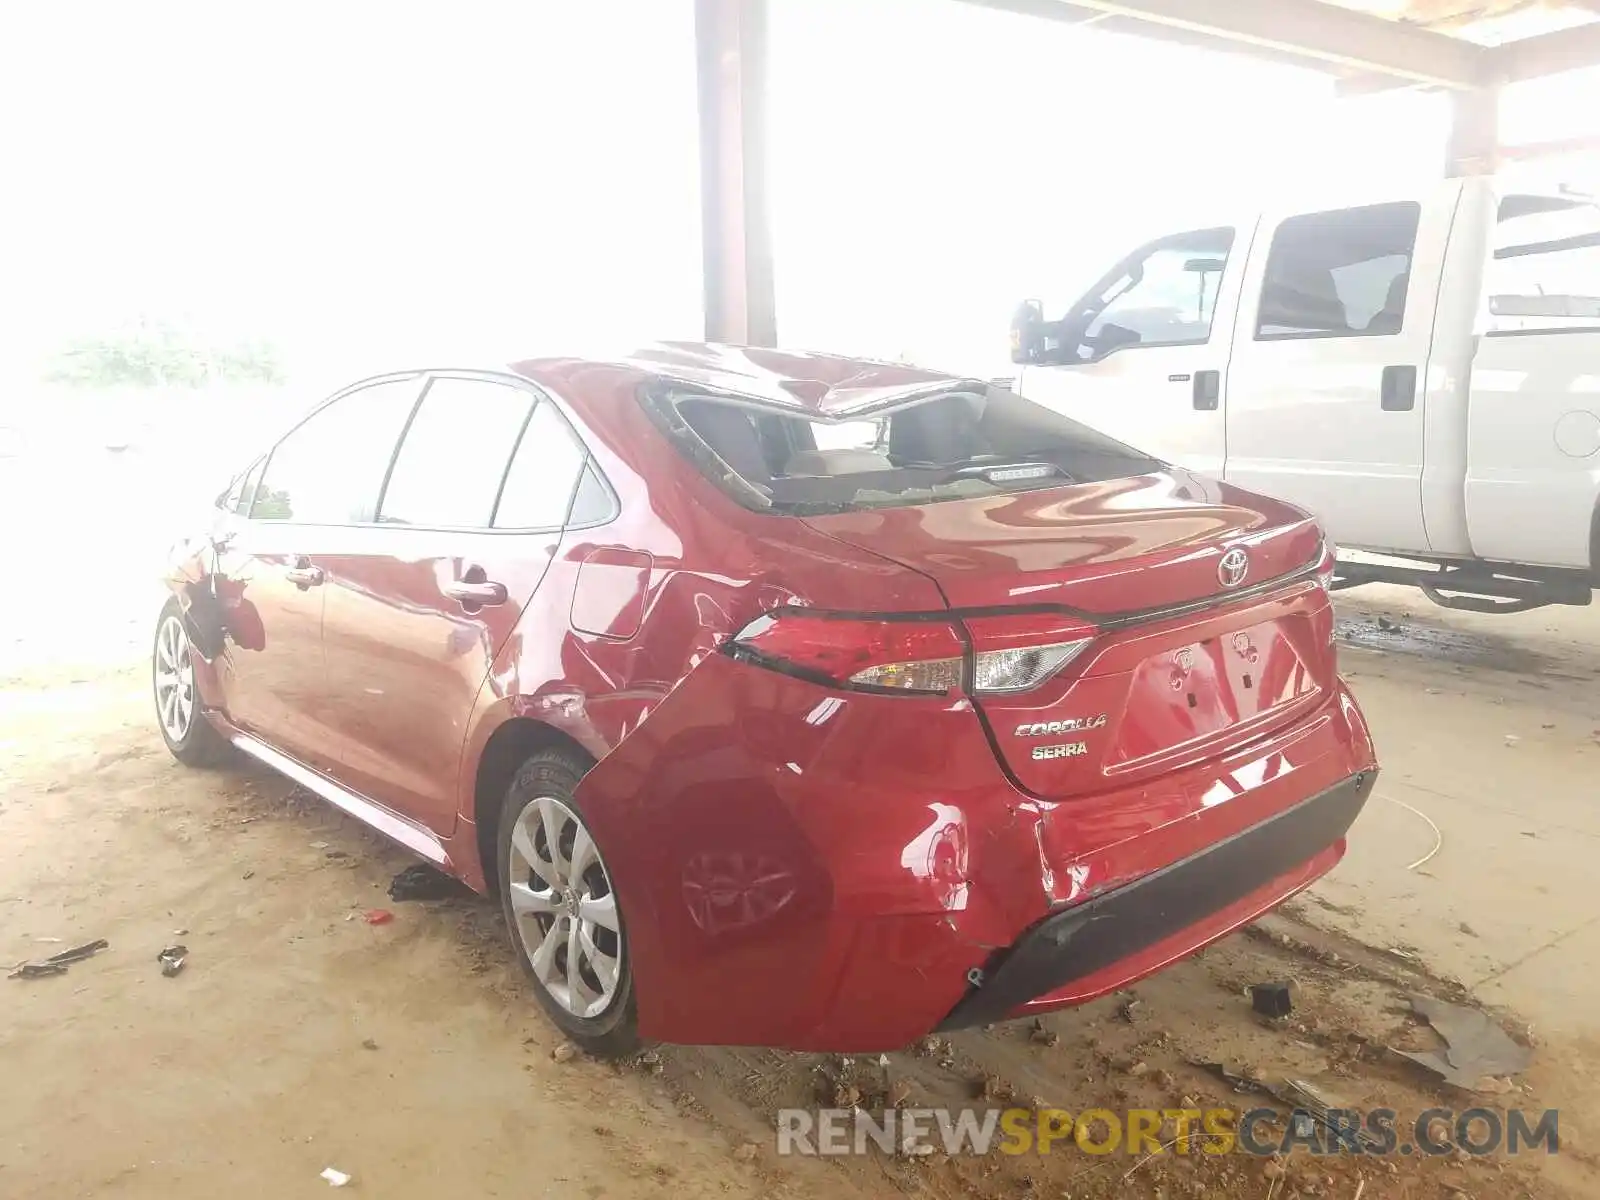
[736,231]
[1474,147]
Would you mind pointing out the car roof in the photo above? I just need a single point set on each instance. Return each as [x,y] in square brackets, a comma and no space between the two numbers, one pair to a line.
[824,387]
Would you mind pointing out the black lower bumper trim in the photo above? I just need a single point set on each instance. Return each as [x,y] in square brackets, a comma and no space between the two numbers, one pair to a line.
[1089,937]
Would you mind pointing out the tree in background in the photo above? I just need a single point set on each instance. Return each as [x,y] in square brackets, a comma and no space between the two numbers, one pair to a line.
[156,354]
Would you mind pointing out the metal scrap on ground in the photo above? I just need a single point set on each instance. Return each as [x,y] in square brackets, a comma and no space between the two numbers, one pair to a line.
[56,964]
[172,960]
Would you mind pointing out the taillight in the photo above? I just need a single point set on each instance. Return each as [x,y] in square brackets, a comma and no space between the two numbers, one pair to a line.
[906,656]
[1018,653]
[1327,565]
[914,656]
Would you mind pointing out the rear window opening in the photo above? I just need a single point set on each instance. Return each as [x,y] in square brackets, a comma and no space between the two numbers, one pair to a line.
[967,442]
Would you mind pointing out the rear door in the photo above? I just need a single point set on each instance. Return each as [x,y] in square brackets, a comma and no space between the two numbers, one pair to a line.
[418,605]
[317,483]
[1327,392]
[1144,356]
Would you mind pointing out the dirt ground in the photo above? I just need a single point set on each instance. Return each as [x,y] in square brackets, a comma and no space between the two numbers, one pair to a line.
[410,1056]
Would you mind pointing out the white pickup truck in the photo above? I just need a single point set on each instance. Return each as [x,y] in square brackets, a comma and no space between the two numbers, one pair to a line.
[1423,374]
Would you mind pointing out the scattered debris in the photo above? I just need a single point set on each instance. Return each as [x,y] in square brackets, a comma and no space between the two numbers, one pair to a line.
[336,855]
[1475,1046]
[378,916]
[49,941]
[56,964]
[248,875]
[180,933]
[1306,1102]
[172,959]
[899,1092]
[845,1095]
[424,882]
[369,1044]
[1389,626]
[1130,1009]
[1467,929]
[1042,1035]
[319,845]
[1273,999]
[565,1052]
[1512,739]
[747,1152]
[335,1177]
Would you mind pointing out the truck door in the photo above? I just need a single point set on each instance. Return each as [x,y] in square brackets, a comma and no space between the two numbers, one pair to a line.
[1143,356]
[1327,394]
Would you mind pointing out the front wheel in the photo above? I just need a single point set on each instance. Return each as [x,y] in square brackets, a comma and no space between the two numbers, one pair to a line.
[561,908]
[188,735]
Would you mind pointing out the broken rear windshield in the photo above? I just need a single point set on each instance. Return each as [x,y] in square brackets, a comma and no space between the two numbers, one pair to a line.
[969,441]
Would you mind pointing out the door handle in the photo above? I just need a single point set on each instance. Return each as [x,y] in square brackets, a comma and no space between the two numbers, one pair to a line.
[1207,390]
[476,591]
[1398,392]
[303,575]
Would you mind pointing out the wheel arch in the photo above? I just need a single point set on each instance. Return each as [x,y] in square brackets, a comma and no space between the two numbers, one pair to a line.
[508,747]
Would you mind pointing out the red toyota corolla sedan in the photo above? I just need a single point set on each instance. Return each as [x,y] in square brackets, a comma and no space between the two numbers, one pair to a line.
[782,699]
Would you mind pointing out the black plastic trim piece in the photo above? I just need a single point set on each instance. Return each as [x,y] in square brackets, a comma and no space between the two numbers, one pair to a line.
[1077,942]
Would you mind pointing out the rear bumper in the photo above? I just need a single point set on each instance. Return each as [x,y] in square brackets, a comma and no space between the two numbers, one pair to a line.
[818,870]
[1087,939]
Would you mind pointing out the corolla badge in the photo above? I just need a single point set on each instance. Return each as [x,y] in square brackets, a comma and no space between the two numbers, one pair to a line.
[1030,729]
[1233,567]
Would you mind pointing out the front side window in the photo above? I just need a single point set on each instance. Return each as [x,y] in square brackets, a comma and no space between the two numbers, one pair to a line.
[329,469]
[1339,274]
[1545,275]
[1165,297]
[538,488]
[248,487]
[448,469]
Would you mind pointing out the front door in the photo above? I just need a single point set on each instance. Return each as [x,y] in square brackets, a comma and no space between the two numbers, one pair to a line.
[1142,357]
[318,482]
[420,602]
[1327,394]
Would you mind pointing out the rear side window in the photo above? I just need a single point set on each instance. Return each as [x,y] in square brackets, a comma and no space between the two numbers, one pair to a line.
[1545,276]
[962,443]
[329,469]
[450,463]
[1343,273]
[539,484]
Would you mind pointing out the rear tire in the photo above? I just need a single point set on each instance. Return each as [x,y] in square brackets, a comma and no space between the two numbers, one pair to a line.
[561,910]
[189,736]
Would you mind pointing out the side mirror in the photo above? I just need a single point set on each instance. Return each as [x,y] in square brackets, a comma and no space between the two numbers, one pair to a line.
[1027,332]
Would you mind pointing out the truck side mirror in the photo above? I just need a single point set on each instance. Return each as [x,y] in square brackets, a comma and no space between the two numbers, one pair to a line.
[1027,332]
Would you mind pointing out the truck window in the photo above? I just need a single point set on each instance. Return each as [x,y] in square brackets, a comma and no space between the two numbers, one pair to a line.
[1545,275]
[1165,296]
[1339,274]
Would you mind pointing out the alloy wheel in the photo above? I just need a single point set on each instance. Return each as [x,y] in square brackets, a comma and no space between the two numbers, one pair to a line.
[565,908]
[174,680]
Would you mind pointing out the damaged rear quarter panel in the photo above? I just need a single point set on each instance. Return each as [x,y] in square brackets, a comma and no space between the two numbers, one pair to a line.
[773,841]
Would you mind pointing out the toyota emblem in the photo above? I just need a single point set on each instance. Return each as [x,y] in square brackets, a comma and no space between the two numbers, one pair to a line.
[1233,567]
